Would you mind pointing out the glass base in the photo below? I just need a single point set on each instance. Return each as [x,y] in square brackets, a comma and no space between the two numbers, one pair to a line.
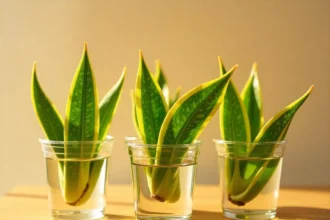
[78,214]
[143,217]
[249,214]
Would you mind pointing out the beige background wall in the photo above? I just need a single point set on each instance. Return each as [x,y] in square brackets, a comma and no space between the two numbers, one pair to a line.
[289,39]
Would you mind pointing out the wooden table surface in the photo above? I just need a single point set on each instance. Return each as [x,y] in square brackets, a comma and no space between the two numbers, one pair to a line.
[30,203]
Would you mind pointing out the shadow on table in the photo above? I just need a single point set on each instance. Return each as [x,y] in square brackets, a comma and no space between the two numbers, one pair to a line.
[283,213]
[197,215]
[303,213]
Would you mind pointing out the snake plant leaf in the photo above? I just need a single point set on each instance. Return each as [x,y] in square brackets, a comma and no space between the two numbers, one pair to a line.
[166,184]
[275,129]
[162,81]
[183,124]
[151,106]
[107,109]
[234,126]
[82,113]
[48,116]
[234,121]
[256,184]
[193,111]
[81,124]
[251,96]
[175,97]
[109,104]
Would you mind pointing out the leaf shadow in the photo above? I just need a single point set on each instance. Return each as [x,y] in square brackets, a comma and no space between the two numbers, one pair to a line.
[303,213]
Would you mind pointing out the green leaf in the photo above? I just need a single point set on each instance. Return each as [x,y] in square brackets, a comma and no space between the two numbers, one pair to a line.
[82,113]
[234,121]
[81,124]
[151,107]
[48,116]
[251,96]
[192,112]
[256,182]
[94,174]
[274,130]
[162,81]
[108,106]
[183,124]
[234,126]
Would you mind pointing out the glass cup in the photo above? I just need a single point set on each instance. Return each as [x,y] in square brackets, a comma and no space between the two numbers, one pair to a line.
[249,178]
[163,179]
[77,176]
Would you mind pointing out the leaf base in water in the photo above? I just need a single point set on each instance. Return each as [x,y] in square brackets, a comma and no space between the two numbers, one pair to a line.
[238,203]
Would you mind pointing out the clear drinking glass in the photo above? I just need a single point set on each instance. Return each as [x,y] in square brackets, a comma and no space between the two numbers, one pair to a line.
[77,176]
[163,179]
[249,178]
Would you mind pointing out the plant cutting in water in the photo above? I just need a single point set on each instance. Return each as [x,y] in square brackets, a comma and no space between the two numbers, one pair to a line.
[86,120]
[241,120]
[162,124]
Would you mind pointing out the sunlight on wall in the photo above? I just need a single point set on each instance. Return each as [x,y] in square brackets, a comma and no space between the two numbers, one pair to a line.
[288,39]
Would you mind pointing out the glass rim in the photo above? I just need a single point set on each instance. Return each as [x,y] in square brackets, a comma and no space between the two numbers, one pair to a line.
[220,141]
[108,139]
[133,142]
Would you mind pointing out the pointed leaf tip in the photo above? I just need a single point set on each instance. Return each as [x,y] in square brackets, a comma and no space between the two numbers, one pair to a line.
[140,54]
[255,66]
[221,66]
[311,88]
[158,67]
[124,70]
[85,46]
[254,70]
[309,91]
[220,60]
[232,70]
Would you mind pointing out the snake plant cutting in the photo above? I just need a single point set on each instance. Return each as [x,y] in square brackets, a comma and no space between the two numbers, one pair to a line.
[86,120]
[241,120]
[175,122]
